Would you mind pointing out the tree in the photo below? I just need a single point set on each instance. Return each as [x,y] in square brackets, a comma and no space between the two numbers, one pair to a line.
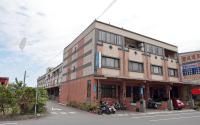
[18,98]
[7,99]
[42,99]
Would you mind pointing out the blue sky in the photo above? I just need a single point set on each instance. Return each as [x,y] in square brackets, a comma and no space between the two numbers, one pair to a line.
[50,25]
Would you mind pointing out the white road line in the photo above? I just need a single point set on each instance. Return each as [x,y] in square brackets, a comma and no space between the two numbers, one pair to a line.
[161,112]
[121,115]
[55,109]
[71,112]
[63,113]
[9,123]
[54,113]
[151,116]
[174,118]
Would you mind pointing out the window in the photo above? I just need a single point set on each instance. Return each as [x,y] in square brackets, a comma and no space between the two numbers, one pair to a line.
[157,70]
[108,91]
[190,71]
[128,91]
[154,49]
[148,48]
[110,38]
[110,62]
[89,88]
[172,72]
[102,36]
[136,67]
[160,51]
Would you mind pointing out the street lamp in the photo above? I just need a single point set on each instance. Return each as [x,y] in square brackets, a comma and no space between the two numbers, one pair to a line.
[36,96]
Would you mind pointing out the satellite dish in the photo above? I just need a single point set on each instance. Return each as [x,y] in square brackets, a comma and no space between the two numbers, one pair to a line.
[22,44]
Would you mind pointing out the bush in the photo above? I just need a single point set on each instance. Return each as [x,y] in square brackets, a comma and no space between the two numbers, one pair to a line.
[83,106]
[19,99]
[197,105]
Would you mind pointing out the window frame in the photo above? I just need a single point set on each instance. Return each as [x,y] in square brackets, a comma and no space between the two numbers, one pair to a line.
[153,49]
[89,86]
[175,71]
[108,91]
[104,64]
[160,68]
[138,67]
[110,38]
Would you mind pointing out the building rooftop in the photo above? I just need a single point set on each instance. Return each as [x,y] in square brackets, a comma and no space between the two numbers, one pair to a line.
[96,21]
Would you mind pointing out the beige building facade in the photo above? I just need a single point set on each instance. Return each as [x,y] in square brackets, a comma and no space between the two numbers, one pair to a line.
[106,62]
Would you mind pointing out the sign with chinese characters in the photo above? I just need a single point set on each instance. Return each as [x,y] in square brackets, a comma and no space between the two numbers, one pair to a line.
[190,66]
[190,57]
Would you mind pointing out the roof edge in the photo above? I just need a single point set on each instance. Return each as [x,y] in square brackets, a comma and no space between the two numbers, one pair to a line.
[135,33]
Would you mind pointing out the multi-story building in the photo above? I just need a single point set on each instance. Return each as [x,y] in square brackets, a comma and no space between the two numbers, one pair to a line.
[51,80]
[106,62]
[190,71]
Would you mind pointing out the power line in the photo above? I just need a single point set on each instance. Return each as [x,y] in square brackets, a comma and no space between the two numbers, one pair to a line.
[107,8]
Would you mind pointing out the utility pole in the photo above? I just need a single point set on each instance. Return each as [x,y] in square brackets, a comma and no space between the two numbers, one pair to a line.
[36,96]
[24,77]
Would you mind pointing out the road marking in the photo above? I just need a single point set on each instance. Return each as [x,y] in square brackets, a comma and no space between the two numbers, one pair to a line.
[8,123]
[54,113]
[121,115]
[151,116]
[174,118]
[161,112]
[71,112]
[55,109]
[63,113]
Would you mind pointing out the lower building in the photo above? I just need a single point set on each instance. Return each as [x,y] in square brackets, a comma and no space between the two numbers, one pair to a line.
[51,80]
[190,72]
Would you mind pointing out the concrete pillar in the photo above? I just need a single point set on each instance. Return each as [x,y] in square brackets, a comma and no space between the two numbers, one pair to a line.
[191,100]
[147,91]
[123,90]
[142,105]
[169,102]
[99,90]
[142,100]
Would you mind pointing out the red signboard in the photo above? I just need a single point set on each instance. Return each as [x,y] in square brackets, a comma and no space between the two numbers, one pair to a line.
[4,80]
[196,91]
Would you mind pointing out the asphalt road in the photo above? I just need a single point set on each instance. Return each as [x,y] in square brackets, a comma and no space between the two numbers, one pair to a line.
[62,115]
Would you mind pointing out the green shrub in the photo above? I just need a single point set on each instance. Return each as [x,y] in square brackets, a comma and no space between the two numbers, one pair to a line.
[197,105]
[19,99]
[83,106]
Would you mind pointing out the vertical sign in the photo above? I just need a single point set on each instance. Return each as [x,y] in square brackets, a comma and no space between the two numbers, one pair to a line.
[141,91]
[98,59]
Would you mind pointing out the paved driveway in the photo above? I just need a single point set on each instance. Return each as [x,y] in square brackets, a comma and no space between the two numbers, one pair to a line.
[61,115]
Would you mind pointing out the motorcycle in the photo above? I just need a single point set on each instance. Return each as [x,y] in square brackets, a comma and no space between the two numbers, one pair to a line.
[152,104]
[119,106]
[104,108]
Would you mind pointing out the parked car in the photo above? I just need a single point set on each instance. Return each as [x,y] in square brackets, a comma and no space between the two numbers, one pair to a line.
[178,104]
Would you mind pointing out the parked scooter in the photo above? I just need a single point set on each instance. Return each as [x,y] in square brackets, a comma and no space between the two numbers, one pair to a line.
[119,106]
[104,108]
[152,104]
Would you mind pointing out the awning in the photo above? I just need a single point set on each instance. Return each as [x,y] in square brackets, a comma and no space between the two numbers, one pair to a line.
[196,91]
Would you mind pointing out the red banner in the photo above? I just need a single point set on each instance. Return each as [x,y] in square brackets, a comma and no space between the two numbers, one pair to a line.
[196,91]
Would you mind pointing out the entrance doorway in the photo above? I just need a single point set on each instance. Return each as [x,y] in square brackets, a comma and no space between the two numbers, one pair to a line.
[174,93]
[158,94]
